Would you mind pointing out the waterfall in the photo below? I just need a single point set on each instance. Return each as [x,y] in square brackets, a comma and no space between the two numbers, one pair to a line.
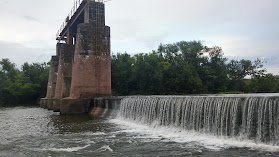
[243,117]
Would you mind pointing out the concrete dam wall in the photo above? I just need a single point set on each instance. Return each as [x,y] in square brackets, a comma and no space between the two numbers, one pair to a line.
[244,117]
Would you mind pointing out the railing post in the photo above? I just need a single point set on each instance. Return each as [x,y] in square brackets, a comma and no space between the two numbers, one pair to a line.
[73,10]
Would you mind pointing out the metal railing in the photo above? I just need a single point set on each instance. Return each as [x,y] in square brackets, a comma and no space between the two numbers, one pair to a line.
[77,4]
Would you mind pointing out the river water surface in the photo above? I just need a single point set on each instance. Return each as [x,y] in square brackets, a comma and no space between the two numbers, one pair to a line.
[32,131]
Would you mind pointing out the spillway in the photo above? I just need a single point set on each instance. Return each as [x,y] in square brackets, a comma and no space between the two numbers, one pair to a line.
[245,117]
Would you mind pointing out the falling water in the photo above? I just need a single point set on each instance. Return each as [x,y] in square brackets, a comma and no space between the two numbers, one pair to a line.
[243,117]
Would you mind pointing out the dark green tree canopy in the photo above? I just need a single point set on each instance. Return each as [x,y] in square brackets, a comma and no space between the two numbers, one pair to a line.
[185,68]
[22,87]
[178,68]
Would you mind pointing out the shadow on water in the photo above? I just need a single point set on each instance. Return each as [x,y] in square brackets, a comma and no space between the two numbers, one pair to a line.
[75,123]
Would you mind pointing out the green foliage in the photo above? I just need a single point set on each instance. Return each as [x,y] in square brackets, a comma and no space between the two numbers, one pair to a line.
[22,87]
[263,84]
[121,67]
[178,68]
[38,74]
[188,68]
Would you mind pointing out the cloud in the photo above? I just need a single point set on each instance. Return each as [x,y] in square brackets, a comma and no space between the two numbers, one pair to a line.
[273,69]
[31,18]
[244,45]
[242,28]
[2,2]
[20,54]
[192,20]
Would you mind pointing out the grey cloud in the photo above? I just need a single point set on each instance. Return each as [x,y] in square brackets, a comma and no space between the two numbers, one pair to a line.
[144,24]
[30,18]
[255,18]
[20,54]
[2,2]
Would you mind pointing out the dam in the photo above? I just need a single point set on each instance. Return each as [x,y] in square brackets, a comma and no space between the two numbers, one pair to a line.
[80,83]
[245,117]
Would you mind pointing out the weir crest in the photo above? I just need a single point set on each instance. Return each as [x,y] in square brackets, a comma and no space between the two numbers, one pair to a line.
[243,117]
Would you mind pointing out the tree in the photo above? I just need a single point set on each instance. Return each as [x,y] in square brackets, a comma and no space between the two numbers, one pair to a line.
[22,87]
[8,68]
[38,74]
[186,68]
[121,73]
[146,74]
[263,84]
[238,70]
[213,71]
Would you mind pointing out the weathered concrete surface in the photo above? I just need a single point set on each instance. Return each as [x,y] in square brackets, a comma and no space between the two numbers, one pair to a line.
[112,102]
[58,88]
[91,70]
[84,71]
[67,57]
[91,76]
[74,106]
[103,106]
[56,105]
[43,103]
[50,104]
[64,76]
[52,77]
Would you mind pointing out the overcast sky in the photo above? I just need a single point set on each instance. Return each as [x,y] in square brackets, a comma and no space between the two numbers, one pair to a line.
[244,29]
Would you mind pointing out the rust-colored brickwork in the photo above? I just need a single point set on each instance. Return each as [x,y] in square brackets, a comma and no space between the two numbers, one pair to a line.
[64,77]
[81,69]
[91,75]
[52,77]
[92,66]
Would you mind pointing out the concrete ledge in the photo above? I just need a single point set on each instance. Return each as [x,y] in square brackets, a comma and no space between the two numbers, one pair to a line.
[43,103]
[111,102]
[70,106]
[104,106]
[50,104]
[56,105]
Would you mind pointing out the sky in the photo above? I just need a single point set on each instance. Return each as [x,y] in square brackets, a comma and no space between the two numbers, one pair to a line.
[244,29]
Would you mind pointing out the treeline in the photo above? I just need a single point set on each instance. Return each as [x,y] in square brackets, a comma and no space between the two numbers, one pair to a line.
[173,69]
[23,86]
[188,68]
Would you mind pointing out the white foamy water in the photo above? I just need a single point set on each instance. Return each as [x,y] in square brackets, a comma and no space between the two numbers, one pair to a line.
[166,134]
[94,133]
[69,149]
[105,148]
[48,134]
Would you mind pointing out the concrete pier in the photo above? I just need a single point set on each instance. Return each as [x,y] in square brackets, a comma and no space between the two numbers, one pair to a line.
[47,101]
[64,76]
[81,70]
[91,75]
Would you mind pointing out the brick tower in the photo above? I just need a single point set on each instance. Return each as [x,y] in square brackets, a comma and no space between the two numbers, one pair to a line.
[81,69]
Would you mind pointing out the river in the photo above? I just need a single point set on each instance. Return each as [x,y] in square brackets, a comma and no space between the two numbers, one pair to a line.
[32,131]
